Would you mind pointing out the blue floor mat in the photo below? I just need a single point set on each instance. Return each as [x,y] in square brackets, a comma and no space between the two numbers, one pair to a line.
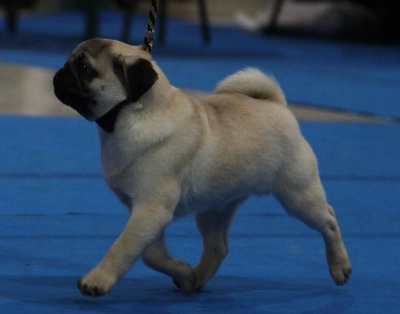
[346,76]
[57,219]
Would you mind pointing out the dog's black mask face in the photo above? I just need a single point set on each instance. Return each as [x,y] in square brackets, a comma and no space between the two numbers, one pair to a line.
[98,84]
[70,87]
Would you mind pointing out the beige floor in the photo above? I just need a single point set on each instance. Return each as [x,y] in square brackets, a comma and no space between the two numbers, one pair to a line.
[28,91]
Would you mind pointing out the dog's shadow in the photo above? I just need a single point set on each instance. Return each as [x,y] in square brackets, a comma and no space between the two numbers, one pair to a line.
[156,294]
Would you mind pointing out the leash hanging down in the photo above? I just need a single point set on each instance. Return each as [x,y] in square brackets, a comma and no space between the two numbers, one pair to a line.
[148,38]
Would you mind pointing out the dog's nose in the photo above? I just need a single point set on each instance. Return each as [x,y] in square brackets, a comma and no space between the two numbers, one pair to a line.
[60,85]
[57,78]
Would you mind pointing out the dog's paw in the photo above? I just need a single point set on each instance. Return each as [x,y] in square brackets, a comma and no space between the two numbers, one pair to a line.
[340,272]
[186,283]
[96,283]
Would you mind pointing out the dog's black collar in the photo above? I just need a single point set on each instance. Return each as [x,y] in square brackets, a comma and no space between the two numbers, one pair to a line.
[107,122]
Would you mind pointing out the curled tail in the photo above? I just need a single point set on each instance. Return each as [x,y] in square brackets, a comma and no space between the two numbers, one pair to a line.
[253,83]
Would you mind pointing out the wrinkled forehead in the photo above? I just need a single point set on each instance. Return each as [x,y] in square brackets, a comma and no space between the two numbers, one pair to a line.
[93,47]
[98,47]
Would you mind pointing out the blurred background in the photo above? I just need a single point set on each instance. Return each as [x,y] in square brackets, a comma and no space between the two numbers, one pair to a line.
[362,19]
[252,33]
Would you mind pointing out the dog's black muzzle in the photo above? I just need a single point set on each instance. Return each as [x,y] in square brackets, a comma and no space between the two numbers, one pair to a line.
[67,89]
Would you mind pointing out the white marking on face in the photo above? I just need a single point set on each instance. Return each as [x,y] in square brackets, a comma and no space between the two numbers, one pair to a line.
[138,106]
[107,96]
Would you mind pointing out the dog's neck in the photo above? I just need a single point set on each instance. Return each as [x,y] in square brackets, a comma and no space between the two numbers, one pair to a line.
[107,121]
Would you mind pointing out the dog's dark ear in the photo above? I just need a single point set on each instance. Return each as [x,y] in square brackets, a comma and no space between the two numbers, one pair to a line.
[137,77]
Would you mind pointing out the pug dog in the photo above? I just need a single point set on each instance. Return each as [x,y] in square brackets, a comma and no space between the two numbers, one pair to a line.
[166,154]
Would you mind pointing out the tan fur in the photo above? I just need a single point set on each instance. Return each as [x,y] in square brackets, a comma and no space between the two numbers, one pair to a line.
[172,154]
[260,86]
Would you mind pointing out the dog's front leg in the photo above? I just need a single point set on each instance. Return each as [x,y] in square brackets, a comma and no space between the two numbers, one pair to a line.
[157,257]
[143,227]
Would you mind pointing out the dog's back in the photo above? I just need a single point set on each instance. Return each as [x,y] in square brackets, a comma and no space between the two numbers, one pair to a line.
[250,133]
[253,83]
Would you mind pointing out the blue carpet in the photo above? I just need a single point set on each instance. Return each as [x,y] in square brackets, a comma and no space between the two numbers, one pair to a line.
[352,77]
[58,218]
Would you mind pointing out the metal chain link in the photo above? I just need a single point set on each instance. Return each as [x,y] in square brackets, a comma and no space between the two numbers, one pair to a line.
[148,37]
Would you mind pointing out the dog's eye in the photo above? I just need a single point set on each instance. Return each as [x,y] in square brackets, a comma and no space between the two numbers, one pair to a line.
[84,68]
[86,71]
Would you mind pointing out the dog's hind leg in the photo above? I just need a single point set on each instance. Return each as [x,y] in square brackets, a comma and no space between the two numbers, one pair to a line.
[157,257]
[300,191]
[213,226]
